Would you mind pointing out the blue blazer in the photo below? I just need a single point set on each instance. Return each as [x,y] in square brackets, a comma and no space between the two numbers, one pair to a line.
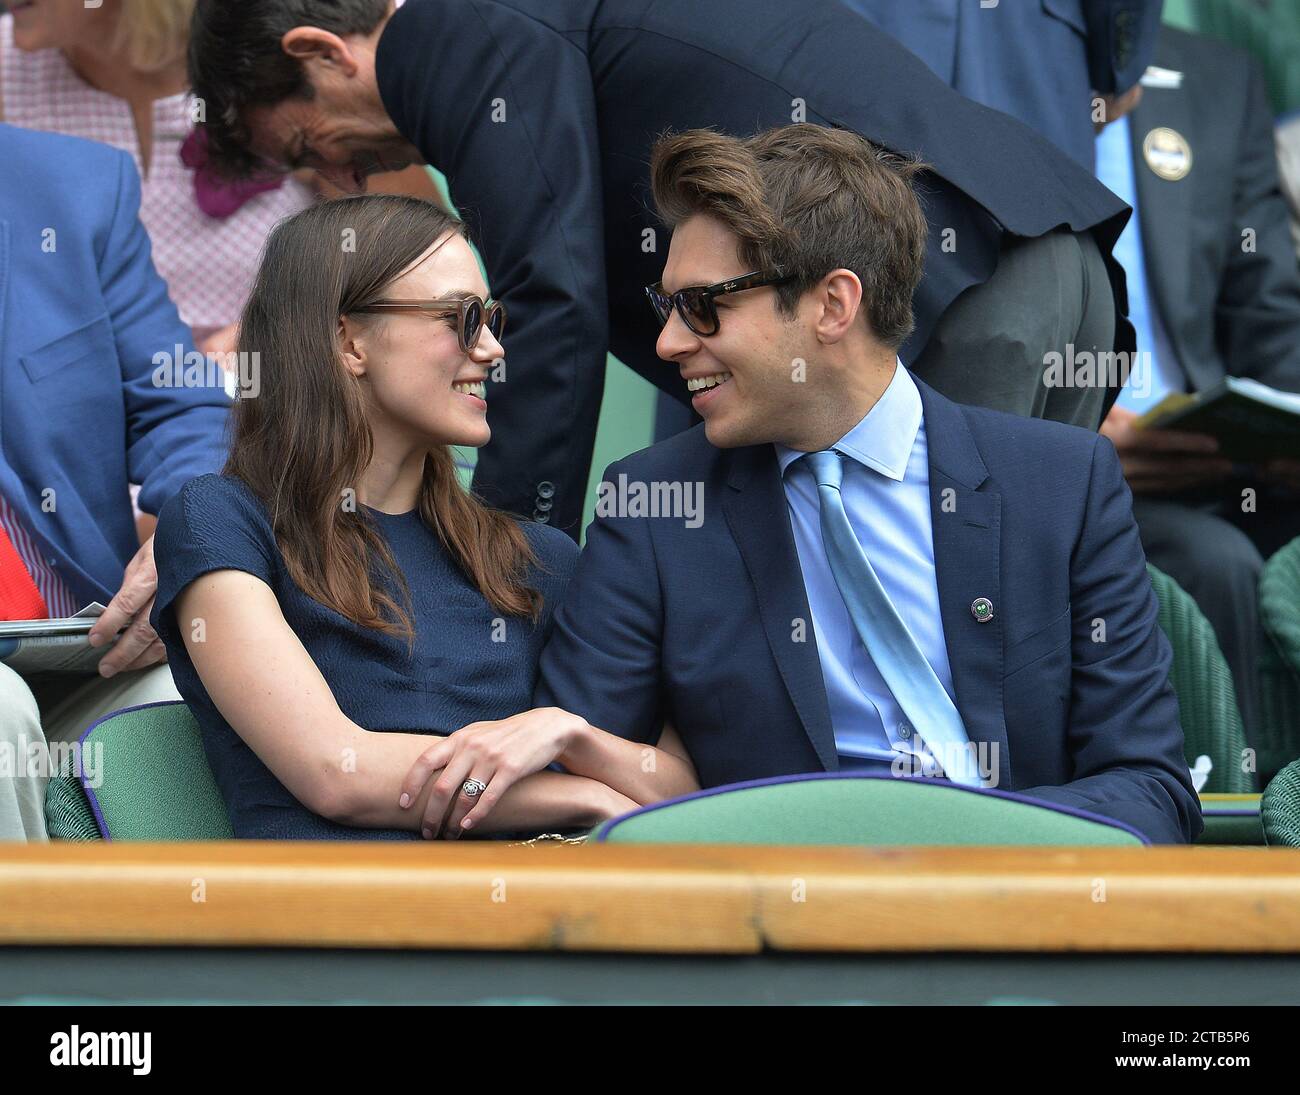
[1069,678]
[1037,60]
[82,314]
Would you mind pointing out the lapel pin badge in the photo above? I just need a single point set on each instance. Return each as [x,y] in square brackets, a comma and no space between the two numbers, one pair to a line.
[1167,153]
[982,609]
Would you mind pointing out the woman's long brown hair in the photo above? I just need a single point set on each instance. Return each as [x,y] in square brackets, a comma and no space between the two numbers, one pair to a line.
[303,443]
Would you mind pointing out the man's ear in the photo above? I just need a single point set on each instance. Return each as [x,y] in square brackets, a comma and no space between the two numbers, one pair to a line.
[314,45]
[841,304]
[352,348]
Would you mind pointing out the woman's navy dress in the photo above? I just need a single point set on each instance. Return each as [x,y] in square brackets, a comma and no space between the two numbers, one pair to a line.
[468,663]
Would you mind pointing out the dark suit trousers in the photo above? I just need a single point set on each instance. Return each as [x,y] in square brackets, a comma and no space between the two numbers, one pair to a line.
[989,348]
[1216,552]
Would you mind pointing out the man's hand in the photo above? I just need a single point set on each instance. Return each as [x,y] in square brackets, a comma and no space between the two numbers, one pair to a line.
[497,754]
[1163,461]
[1114,107]
[138,645]
[1282,473]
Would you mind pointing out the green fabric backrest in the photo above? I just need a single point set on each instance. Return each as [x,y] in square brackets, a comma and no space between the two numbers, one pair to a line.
[1279,611]
[68,815]
[1279,602]
[856,810]
[1207,701]
[1279,809]
[1277,739]
[155,783]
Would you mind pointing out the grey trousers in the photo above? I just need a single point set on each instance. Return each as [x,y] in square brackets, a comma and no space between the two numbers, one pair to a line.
[62,715]
[990,347]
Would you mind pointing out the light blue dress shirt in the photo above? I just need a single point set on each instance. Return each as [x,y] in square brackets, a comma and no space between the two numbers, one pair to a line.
[886,495]
[1115,168]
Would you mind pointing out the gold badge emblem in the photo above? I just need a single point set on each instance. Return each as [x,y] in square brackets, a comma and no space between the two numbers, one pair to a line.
[1167,153]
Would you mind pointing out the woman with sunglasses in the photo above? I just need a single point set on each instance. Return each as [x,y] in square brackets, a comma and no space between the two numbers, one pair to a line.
[335,596]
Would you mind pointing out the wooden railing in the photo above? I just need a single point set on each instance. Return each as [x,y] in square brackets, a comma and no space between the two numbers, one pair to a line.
[687,899]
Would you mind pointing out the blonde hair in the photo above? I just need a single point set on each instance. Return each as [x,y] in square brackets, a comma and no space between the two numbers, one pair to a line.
[153,33]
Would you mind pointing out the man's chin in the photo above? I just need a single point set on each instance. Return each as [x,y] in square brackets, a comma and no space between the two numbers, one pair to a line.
[723,436]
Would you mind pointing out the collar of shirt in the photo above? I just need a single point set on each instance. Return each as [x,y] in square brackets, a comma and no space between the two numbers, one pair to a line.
[883,440]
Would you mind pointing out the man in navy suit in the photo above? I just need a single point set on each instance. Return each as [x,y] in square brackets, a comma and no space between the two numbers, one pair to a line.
[1041,61]
[1215,293]
[541,114]
[94,396]
[840,568]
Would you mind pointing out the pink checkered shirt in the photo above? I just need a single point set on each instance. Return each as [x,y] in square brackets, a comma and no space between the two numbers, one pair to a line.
[207,263]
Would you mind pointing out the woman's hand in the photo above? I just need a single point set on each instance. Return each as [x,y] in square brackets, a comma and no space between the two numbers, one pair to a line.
[496,754]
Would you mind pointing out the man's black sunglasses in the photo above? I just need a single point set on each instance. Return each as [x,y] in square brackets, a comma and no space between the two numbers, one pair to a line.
[695,302]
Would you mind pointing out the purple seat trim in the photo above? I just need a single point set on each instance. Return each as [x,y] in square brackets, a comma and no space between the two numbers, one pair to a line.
[81,741]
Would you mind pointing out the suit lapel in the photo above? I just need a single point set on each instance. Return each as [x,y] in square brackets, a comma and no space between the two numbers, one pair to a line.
[967,531]
[1165,207]
[967,558]
[755,508]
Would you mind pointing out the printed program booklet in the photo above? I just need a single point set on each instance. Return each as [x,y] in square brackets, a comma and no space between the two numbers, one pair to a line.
[1252,421]
[52,646]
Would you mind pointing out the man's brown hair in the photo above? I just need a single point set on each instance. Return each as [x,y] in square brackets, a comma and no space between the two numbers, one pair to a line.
[810,200]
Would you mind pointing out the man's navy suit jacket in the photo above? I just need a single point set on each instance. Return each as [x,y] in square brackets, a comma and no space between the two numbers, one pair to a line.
[709,627]
[542,114]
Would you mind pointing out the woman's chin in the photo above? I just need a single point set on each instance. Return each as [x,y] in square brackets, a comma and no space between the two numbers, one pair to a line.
[473,437]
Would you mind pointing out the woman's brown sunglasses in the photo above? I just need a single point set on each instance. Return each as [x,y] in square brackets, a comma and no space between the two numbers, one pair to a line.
[472,315]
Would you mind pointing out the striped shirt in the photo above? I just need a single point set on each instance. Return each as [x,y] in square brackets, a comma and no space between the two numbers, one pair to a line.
[53,590]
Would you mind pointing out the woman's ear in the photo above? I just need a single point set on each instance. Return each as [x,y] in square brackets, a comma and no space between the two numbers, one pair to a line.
[351,347]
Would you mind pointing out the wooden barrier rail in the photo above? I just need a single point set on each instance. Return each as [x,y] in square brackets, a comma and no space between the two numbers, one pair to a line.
[666,899]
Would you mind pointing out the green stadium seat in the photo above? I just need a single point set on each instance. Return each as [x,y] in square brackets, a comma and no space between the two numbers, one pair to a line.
[1207,701]
[1279,610]
[155,783]
[1280,808]
[1230,819]
[68,815]
[860,809]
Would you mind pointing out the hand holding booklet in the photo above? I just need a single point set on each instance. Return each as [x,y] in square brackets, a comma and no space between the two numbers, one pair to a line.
[52,646]
[1252,422]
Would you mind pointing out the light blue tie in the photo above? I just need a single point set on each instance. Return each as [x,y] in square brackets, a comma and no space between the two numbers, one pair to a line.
[893,650]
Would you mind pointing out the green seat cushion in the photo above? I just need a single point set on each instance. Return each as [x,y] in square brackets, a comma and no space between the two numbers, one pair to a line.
[860,808]
[155,783]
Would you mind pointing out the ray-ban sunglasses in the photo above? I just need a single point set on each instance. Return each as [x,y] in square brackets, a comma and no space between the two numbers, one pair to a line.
[472,314]
[695,302]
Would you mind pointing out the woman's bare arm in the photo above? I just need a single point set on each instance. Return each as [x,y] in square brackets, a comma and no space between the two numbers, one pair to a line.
[269,690]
